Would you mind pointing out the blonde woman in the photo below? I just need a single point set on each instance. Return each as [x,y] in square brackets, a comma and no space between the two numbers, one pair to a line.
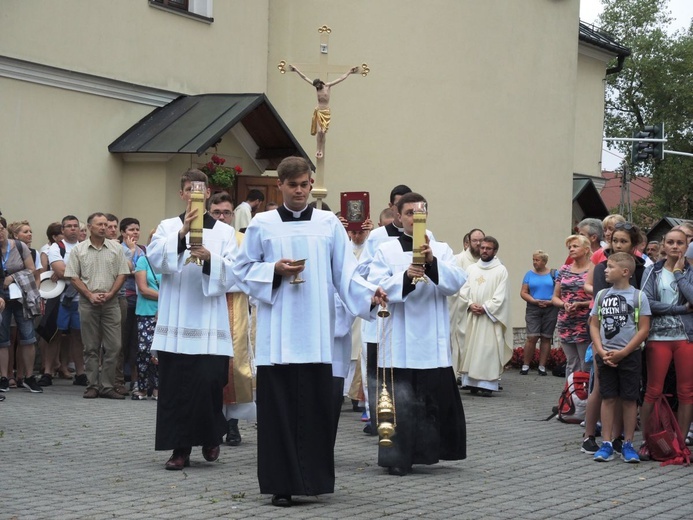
[574,303]
[541,314]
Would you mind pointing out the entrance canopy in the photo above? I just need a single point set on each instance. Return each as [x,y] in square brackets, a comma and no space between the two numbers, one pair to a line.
[192,124]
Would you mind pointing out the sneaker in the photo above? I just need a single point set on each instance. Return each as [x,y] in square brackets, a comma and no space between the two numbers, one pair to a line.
[541,371]
[45,380]
[4,384]
[364,416]
[605,453]
[617,444]
[81,380]
[589,445]
[628,453]
[30,384]
[524,370]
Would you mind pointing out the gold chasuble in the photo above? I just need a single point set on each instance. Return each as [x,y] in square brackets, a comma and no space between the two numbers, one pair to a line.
[321,116]
[240,386]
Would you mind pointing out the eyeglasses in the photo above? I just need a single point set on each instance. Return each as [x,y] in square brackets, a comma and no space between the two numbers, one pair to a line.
[624,225]
[217,213]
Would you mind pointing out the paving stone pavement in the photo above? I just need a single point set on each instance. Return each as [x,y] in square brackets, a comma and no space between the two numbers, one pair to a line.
[62,456]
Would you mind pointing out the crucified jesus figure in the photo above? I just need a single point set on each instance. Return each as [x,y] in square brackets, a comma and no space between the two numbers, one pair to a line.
[321,115]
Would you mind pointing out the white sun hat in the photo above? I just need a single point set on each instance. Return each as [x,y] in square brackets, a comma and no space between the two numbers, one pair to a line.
[48,288]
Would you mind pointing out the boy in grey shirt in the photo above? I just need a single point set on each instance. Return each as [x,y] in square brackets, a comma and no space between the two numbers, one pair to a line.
[620,322]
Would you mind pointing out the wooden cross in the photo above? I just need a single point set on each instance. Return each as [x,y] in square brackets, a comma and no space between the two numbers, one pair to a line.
[323,69]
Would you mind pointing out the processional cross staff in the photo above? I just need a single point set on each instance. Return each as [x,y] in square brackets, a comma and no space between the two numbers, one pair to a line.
[321,115]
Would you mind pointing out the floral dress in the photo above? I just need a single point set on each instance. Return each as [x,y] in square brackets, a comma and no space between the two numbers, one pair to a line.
[573,328]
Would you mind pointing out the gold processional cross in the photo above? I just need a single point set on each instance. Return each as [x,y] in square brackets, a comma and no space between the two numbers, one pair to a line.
[323,69]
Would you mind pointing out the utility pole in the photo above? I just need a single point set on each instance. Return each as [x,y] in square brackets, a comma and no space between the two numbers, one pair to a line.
[625,208]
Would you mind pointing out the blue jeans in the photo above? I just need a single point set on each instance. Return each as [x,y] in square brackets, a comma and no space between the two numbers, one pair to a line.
[25,326]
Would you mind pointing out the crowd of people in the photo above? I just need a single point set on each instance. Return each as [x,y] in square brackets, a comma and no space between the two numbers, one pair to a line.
[279,321]
[620,306]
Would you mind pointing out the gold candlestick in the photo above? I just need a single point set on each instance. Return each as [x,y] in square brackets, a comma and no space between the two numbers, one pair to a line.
[197,202]
[419,238]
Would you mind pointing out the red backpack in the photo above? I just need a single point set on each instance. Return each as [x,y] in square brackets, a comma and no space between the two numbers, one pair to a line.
[665,440]
[572,402]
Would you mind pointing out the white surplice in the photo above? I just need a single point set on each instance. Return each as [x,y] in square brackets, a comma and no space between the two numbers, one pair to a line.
[375,239]
[295,322]
[486,348]
[458,314]
[193,317]
[417,333]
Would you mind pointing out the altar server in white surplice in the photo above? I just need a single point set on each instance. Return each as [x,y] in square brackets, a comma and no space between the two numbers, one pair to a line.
[295,333]
[486,349]
[430,423]
[192,337]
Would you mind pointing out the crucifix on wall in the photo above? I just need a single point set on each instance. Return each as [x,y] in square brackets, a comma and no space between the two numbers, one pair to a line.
[320,122]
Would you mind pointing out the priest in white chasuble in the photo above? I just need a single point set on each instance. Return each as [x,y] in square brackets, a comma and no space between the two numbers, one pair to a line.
[295,333]
[192,337]
[430,423]
[458,308]
[487,296]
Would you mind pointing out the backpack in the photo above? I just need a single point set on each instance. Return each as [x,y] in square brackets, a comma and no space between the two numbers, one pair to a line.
[572,403]
[665,441]
[61,246]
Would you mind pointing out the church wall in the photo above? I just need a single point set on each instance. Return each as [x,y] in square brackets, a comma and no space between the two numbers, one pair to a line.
[470,103]
[54,153]
[589,113]
[131,41]
[54,142]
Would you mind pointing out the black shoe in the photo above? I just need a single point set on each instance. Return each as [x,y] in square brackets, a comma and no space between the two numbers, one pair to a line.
[30,384]
[368,429]
[282,500]
[486,393]
[524,371]
[45,380]
[355,406]
[397,471]
[474,390]
[81,380]
[542,372]
[617,444]
[233,436]
[4,384]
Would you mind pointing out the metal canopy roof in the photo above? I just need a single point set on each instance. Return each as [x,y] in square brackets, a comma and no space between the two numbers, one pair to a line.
[586,195]
[191,124]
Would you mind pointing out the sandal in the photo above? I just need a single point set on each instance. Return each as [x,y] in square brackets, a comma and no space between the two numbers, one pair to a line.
[13,382]
[139,396]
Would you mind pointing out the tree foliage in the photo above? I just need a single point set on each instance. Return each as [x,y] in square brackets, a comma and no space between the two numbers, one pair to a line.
[655,85]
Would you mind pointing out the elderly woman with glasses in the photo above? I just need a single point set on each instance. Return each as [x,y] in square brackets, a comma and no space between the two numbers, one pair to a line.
[668,285]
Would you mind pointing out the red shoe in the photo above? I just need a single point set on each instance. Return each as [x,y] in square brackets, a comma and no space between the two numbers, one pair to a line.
[178,461]
[210,454]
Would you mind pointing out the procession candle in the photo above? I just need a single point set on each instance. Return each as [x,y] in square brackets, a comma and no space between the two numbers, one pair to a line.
[197,201]
[419,235]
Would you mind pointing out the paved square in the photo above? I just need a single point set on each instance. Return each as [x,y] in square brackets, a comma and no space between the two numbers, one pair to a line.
[62,456]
